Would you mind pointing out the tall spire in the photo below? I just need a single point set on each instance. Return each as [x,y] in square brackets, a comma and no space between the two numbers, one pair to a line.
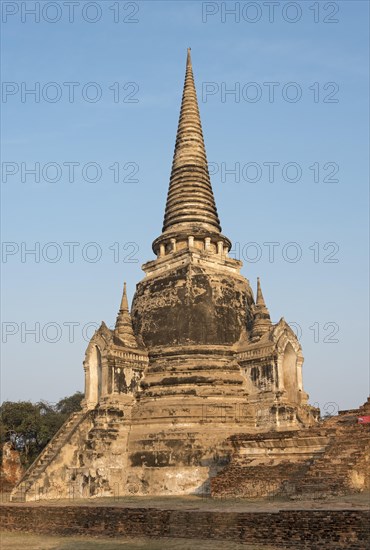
[262,320]
[124,329]
[190,198]
[190,207]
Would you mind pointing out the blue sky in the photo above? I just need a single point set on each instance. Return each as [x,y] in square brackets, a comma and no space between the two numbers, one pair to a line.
[314,127]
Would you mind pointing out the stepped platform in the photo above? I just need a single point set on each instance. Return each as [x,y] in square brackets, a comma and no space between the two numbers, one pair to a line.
[328,460]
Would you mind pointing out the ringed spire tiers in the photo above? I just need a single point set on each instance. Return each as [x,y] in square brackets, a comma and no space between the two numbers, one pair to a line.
[190,209]
[123,327]
[262,321]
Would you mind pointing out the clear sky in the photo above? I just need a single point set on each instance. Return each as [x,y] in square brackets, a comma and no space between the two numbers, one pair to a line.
[105,107]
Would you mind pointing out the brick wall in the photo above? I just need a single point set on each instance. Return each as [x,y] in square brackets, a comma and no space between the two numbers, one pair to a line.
[298,529]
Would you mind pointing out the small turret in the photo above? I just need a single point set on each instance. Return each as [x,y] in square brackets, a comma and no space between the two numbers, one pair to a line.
[262,321]
[123,329]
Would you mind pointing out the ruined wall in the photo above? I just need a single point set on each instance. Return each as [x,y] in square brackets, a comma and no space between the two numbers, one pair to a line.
[11,469]
[318,462]
[298,529]
[266,464]
[86,458]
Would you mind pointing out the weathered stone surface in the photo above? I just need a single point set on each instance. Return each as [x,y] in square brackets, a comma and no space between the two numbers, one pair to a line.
[193,303]
[11,470]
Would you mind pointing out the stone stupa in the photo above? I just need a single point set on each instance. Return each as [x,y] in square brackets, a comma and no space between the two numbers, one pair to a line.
[195,361]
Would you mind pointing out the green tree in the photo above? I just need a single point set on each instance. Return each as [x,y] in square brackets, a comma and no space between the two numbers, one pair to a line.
[30,426]
[69,405]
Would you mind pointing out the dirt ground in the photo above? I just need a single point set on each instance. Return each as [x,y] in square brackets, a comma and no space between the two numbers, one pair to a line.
[18,541]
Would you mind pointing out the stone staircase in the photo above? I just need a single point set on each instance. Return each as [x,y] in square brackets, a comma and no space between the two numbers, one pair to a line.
[47,455]
[268,465]
[342,468]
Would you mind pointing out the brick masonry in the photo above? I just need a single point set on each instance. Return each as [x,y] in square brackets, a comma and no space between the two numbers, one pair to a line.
[298,529]
[330,459]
